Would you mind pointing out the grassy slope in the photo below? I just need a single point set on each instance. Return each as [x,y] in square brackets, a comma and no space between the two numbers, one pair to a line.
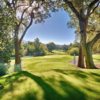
[51,78]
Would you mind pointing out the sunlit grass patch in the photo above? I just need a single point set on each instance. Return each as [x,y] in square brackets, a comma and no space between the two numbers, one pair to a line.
[96,58]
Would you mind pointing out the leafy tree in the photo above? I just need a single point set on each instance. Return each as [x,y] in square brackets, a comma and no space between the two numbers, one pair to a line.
[83,9]
[6,26]
[51,46]
[38,48]
[23,49]
[73,51]
[30,48]
[65,48]
[24,12]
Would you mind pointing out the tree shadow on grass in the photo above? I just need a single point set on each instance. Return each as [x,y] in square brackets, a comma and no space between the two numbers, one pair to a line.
[96,76]
[28,95]
[71,92]
[8,84]
[79,74]
[50,93]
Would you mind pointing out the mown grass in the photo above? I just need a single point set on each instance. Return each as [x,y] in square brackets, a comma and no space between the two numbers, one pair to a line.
[96,58]
[45,63]
[38,64]
[52,85]
[52,77]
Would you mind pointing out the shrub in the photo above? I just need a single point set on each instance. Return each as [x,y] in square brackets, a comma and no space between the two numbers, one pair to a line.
[73,51]
[3,69]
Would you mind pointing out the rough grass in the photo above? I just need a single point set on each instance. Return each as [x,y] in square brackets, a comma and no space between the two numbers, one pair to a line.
[51,78]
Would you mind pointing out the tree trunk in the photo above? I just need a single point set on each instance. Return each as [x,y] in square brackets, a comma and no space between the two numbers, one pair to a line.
[88,57]
[86,48]
[81,58]
[17,55]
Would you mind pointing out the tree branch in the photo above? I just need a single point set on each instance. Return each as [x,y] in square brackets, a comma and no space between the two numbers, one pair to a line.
[94,8]
[72,8]
[91,5]
[26,28]
[95,39]
[7,3]
[22,16]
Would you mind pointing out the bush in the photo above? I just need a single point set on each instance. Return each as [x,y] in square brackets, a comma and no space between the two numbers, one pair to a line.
[3,69]
[39,53]
[73,51]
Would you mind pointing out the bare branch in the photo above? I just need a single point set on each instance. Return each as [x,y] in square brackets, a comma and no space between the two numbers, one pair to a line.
[21,20]
[7,3]
[20,6]
[26,28]
[91,5]
[69,3]
[94,8]
[95,39]
[22,16]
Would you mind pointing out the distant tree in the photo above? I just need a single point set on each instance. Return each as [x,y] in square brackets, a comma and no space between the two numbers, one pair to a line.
[51,46]
[73,48]
[38,48]
[37,44]
[73,51]
[23,49]
[65,48]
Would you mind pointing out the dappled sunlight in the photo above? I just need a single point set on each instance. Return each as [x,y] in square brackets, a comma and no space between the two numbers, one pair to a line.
[21,87]
[52,84]
[49,50]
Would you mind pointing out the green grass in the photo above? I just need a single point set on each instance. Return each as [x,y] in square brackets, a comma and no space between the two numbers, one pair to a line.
[51,77]
[38,64]
[52,85]
[96,58]
[45,63]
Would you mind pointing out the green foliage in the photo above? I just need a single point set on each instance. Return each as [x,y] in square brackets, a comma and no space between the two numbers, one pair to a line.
[5,48]
[51,46]
[73,51]
[3,69]
[23,49]
[36,48]
[6,29]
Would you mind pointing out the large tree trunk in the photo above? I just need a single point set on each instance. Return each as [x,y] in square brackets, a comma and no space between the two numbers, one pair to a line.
[88,57]
[17,54]
[81,58]
[87,50]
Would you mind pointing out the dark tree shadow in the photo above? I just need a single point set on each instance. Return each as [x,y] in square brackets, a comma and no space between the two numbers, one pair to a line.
[50,93]
[71,92]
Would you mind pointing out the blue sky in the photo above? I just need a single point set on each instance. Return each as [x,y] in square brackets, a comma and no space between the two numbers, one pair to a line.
[54,29]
